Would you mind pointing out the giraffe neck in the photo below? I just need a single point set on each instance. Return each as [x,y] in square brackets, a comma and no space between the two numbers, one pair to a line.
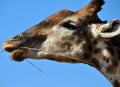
[108,62]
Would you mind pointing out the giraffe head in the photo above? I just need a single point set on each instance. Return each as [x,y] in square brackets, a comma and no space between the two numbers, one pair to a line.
[71,35]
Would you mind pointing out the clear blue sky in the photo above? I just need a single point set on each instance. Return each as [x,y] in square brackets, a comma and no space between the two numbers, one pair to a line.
[18,15]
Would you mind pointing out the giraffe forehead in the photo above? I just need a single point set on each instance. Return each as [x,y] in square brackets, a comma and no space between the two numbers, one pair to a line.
[55,18]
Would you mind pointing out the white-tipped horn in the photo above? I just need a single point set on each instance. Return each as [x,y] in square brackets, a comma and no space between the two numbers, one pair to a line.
[114,25]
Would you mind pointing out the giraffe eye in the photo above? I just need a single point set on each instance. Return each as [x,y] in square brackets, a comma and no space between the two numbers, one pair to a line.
[69,25]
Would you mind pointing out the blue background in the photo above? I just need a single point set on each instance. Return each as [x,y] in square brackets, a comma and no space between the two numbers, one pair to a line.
[18,15]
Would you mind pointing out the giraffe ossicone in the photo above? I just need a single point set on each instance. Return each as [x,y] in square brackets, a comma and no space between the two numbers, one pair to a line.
[73,37]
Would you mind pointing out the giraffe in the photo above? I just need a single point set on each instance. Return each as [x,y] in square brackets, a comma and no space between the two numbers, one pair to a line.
[73,37]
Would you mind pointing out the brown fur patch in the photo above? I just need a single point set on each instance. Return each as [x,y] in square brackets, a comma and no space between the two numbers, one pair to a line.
[63,59]
[111,51]
[116,83]
[95,63]
[95,42]
[87,55]
[106,59]
[118,53]
[97,50]
[65,46]
[108,43]
[116,41]
[114,63]
[89,47]
[56,18]
[110,69]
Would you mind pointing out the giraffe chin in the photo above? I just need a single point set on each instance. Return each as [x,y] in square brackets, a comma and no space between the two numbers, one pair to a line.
[19,55]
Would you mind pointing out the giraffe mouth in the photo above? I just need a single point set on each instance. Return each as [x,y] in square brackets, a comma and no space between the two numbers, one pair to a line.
[15,46]
[12,48]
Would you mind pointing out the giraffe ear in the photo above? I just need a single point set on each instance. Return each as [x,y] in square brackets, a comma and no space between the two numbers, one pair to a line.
[111,29]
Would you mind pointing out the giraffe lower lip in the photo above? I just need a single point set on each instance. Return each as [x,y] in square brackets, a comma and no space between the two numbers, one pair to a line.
[17,55]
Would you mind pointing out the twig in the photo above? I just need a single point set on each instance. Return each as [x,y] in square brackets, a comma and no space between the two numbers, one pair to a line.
[2,50]
[37,67]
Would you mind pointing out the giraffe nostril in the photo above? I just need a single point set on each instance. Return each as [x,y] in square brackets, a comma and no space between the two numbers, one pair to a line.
[18,36]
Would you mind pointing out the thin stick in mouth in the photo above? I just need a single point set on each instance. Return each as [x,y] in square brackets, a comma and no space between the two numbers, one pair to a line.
[36,67]
[2,50]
